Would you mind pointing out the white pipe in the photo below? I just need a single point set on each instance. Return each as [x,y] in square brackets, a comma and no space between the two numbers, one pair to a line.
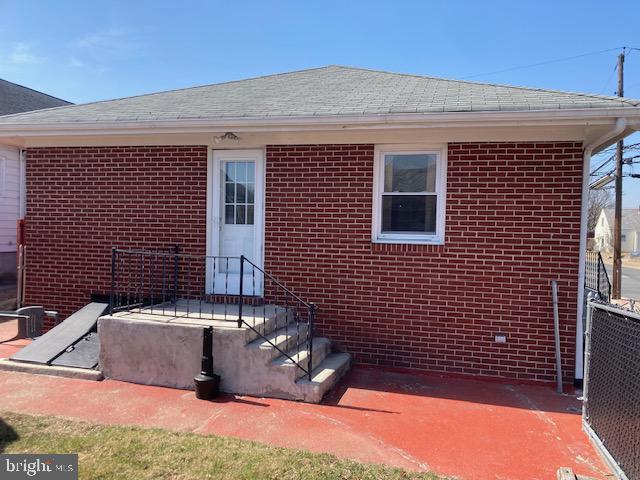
[23,184]
[602,141]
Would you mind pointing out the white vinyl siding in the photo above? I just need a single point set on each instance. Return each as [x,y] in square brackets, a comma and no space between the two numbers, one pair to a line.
[9,197]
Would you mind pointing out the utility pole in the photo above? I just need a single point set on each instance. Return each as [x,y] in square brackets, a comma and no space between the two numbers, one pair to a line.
[617,228]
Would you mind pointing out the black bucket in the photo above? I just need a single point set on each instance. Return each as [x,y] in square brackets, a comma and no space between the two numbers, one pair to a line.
[207,387]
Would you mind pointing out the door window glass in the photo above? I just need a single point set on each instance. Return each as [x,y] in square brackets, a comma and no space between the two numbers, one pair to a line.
[239,188]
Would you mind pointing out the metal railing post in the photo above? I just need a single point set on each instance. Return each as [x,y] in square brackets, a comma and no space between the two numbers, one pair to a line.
[113,280]
[312,319]
[556,330]
[176,259]
[241,297]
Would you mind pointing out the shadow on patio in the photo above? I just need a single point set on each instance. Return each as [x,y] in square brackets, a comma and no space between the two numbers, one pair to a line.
[477,391]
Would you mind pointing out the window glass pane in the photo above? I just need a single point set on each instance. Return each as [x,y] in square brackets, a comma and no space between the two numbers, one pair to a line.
[410,173]
[230,172]
[240,219]
[241,171]
[240,193]
[250,193]
[228,192]
[229,217]
[431,173]
[249,214]
[409,213]
[251,173]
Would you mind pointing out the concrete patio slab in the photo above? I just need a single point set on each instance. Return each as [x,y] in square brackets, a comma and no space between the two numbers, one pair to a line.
[469,429]
[9,344]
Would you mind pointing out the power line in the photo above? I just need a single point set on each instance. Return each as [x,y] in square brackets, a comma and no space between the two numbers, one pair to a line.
[627,148]
[547,62]
[606,162]
[633,160]
[631,146]
[608,81]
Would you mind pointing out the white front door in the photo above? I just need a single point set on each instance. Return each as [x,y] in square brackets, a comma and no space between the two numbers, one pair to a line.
[237,219]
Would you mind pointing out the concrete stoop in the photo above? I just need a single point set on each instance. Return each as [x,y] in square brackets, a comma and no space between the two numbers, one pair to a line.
[166,351]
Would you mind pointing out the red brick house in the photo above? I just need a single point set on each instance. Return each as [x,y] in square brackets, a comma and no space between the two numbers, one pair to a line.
[423,216]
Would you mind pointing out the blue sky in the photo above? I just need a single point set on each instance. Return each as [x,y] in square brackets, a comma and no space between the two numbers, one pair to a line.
[92,50]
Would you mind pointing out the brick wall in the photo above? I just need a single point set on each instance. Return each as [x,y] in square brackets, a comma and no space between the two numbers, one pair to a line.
[513,220]
[513,214]
[83,201]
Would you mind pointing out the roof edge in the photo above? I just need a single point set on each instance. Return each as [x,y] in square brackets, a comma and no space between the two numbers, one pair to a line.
[67,102]
[444,119]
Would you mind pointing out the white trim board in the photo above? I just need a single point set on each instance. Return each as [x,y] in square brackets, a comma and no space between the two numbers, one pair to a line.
[581,116]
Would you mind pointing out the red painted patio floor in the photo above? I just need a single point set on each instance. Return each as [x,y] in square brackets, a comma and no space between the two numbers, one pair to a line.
[464,428]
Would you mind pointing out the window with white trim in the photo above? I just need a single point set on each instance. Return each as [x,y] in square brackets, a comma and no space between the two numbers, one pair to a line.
[409,203]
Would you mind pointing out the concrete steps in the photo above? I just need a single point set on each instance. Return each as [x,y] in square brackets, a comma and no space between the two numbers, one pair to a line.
[284,338]
[282,377]
[325,376]
[321,349]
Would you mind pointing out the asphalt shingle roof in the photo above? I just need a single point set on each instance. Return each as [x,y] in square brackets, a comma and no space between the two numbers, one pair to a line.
[326,91]
[15,98]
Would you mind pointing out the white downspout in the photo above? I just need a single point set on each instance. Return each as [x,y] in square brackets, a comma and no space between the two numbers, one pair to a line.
[22,185]
[620,126]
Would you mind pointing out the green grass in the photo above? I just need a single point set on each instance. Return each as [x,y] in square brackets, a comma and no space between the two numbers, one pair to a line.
[113,452]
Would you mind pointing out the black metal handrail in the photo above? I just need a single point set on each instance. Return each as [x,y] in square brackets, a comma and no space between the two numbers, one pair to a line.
[596,277]
[205,287]
[293,304]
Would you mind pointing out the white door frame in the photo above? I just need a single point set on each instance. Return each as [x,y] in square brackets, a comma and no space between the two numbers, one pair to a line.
[214,210]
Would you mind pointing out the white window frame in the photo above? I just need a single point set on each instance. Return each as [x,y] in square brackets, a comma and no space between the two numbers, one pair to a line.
[440,150]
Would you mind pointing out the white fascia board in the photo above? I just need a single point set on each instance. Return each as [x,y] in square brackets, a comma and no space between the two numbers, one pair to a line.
[592,116]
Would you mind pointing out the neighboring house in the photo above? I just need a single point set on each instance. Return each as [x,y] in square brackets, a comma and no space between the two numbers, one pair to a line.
[425,217]
[14,99]
[630,239]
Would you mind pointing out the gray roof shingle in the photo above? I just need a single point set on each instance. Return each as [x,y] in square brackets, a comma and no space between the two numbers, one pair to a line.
[326,91]
[15,98]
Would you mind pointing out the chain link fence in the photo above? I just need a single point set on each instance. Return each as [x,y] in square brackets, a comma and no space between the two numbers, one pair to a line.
[611,411]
